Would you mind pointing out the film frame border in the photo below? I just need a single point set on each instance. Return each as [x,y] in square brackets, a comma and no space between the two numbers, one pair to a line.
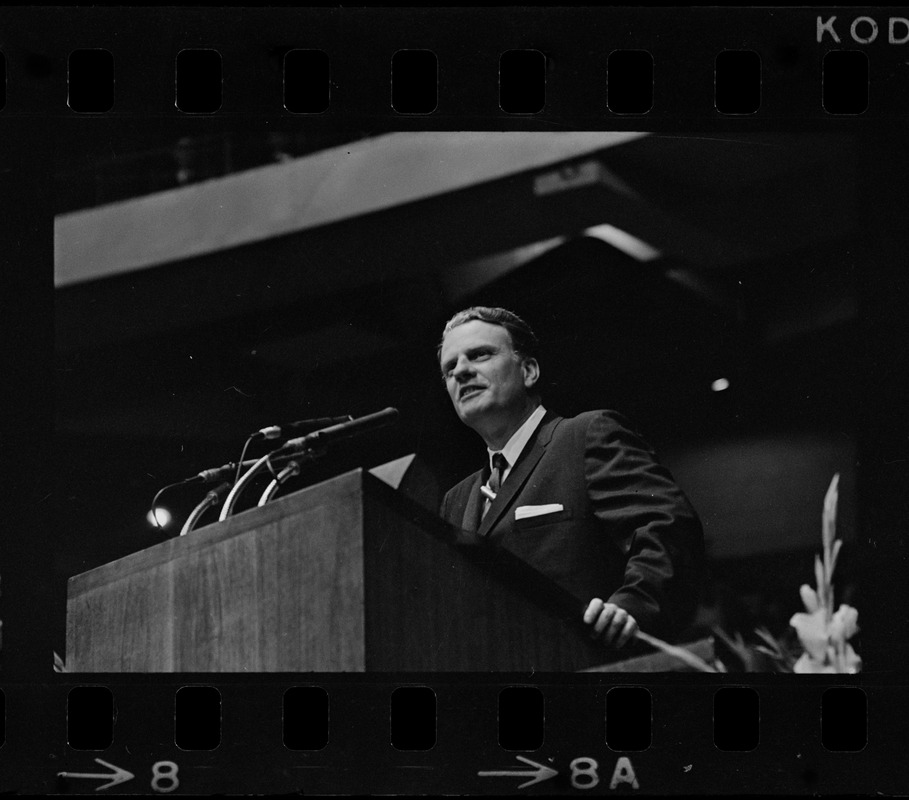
[32,706]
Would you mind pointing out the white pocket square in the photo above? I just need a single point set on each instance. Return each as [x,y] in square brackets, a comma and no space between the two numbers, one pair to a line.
[523,512]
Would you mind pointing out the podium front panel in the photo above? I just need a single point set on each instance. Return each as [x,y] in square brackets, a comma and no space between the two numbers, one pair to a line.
[278,588]
[344,576]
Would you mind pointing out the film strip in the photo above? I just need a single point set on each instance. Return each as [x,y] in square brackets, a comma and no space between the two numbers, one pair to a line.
[95,100]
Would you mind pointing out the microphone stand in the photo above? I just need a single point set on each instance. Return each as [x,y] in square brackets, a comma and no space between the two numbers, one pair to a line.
[208,501]
[292,468]
[307,448]
[228,507]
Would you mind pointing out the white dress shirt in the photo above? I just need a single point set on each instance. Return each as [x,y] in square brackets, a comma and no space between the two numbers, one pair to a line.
[515,445]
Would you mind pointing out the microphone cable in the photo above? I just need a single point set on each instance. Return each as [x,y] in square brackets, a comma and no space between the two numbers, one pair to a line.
[243,456]
[154,502]
[246,445]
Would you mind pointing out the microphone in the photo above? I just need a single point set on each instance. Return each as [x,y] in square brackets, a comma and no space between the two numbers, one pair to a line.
[349,427]
[226,472]
[219,473]
[301,426]
[341,431]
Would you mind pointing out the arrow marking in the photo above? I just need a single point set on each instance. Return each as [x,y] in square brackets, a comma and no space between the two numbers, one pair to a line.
[113,778]
[540,772]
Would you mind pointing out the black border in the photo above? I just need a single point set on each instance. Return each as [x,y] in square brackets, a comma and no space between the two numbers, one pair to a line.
[33,124]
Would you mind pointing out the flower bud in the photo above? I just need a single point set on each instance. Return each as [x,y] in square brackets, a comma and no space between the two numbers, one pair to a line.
[809,598]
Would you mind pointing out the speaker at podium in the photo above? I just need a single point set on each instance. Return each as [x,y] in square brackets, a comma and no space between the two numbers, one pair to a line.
[354,574]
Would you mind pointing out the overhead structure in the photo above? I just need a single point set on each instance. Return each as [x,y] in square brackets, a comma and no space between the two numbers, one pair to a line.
[280,199]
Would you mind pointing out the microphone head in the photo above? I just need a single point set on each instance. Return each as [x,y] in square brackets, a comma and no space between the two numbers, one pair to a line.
[300,426]
[344,429]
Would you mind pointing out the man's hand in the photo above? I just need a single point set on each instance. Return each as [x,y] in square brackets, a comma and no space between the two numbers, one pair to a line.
[614,625]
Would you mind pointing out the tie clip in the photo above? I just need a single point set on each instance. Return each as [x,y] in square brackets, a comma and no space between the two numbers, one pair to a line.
[488,493]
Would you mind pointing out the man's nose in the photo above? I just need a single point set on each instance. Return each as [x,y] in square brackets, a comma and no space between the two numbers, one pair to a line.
[463,369]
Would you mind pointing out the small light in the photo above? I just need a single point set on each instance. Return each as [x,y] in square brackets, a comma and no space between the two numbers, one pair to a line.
[159,518]
[720,385]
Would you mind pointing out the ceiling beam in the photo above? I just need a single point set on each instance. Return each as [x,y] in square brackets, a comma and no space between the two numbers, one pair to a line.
[329,186]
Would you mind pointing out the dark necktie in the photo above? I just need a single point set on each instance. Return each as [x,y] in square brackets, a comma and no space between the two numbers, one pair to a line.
[499,465]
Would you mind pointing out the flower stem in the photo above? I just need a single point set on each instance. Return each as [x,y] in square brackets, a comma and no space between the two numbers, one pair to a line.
[679,652]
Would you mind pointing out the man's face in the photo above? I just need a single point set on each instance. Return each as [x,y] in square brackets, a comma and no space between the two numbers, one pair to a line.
[485,378]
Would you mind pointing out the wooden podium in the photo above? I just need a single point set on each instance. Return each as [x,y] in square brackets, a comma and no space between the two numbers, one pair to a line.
[344,576]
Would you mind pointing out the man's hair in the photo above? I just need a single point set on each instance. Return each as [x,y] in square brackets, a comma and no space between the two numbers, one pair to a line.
[523,340]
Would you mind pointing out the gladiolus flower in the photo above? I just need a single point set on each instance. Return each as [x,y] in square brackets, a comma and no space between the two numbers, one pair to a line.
[844,624]
[812,632]
[809,598]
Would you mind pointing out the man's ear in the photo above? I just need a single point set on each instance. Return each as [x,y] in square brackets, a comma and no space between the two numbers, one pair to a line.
[531,370]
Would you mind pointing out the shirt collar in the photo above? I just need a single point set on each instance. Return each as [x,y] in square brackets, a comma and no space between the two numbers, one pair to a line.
[515,445]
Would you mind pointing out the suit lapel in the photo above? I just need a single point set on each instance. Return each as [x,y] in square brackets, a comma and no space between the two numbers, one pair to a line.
[532,453]
[472,509]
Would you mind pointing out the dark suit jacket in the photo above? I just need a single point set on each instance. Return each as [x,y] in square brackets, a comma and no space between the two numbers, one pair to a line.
[626,533]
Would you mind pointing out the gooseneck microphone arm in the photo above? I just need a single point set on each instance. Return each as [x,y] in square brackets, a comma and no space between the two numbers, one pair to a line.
[162,490]
[211,499]
[240,485]
[293,468]
[248,476]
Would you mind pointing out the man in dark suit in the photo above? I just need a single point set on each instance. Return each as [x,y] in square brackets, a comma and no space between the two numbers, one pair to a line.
[582,500]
